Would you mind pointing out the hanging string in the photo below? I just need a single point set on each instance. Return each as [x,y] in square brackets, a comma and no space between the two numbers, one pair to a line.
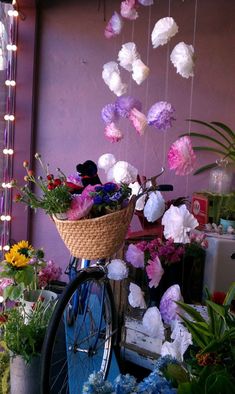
[147,91]
[192,86]
[166,96]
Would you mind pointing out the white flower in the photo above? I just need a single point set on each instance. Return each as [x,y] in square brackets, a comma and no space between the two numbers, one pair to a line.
[152,322]
[139,71]
[154,207]
[106,161]
[123,172]
[127,55]
[182,340]
[136,296]
[117,270]
[111,76]
[178,222]
[182,58]
[163,30]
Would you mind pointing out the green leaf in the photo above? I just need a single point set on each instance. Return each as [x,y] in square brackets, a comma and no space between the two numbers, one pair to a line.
[225,128]
[209,149]
[230,295]
[197,335]
[191,311]
[206,137]
[25,275]
[219,309]
[13,292]
[205,168]
[210,126]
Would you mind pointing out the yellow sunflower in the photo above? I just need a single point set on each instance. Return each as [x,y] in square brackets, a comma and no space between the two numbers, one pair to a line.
[22,247]
[16,259]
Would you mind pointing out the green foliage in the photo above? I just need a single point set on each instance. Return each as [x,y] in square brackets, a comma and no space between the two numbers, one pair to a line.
[4,369]
[223,142]
[214,363]
[23,333]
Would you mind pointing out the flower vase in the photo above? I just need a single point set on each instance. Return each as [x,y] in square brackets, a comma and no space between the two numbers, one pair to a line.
[32,296]
[220,178]
[25,377]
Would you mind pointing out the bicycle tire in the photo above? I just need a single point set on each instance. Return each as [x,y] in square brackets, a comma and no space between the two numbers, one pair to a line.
[59,336]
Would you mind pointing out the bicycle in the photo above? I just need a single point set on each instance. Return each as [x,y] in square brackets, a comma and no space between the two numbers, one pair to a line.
[83,328]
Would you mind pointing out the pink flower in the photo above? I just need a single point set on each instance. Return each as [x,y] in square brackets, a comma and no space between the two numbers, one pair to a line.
[181,156]
[135,256]
[154,271]
[112,133]
[88,189]
[80,207]
[49,273]
[128,9]
[114,26]
[138,120]
[5,282]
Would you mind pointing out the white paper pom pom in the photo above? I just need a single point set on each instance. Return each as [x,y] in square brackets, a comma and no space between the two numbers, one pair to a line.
[117,270]
[178,222]
[135,188]
[123,172]
[182,340]
[111,76]
[154,207]
[136,297]
[182,58]
[152,322]
[163,30]
[127,55]
[139,71]
[106,161]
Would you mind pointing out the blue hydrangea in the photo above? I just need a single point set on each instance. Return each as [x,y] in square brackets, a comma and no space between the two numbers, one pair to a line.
[98,188]
[109,187]
[97,385]
[155,384]
[162,362]
[98,200]
[125,384]
[116,196]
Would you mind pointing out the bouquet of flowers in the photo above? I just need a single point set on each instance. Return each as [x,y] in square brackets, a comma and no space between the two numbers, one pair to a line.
[24,268]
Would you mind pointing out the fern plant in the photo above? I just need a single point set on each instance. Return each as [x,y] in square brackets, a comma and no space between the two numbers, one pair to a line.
[223,141]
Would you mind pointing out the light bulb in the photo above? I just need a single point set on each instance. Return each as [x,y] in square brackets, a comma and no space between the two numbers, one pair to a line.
[1,299]
[8,218]
[9,185]
[9,82]
[11,47]
[8,151]
[3,217]
[13,13]
[6,247]
[9,117]
[3,184]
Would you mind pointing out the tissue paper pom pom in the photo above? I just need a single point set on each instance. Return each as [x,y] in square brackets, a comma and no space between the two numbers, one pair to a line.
[112,133]
[182,340]
[117,270]
[136,297]
[152,322]
[111,76]
[135,188]
[80,207]
[168,308]
[154,207]
[182,58]
[138,120]
[124,172]
[178,222]
[106,161]
[160,115]
[127,55]
[109,113]
[114,26]
[154,271]
[125,104]
[135,256]
[128,9]
[146,2]
[163,30]
[139,71]
[181,156]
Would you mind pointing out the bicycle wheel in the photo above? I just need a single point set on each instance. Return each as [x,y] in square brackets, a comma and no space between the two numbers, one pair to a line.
[74,349]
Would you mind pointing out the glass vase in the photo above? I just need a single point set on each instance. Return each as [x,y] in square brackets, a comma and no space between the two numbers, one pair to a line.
[220,179]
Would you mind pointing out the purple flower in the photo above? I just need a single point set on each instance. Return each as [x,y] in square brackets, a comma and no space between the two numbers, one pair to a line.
[109,113]
[160,115]
[110,187]
[125,104]
[116,196]
[135,256]
[98,188]
[98,200]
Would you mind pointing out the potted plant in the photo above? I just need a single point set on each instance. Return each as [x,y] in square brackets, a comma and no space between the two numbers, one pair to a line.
[227,214]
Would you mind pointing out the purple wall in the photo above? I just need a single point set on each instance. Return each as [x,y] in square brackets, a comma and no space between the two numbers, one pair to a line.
[71,92]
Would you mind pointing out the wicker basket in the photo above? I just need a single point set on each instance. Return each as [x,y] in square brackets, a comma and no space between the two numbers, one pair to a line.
[96,238]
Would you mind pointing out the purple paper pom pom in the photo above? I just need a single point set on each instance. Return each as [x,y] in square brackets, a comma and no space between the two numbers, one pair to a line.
[146,2]
[160,115]
[109,113]
[125,104]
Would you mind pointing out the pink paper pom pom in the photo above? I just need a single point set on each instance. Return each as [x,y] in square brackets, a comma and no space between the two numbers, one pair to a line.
[181,156]
[135,256]
[138,120]
[80,207]
[114,26]
[154,271]
[128,10]
[112,133]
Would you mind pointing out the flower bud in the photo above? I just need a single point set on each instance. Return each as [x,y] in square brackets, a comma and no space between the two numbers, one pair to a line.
[50,177]
[26,178]
[30,173]
[17,197]
[25,164]
[37,155]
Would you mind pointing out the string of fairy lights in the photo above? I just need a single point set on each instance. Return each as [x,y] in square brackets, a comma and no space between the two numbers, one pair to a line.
[9,118]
